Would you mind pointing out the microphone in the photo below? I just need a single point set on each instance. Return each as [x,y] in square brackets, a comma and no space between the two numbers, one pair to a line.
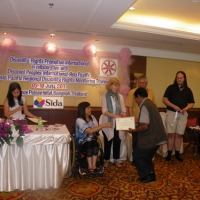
[21,104]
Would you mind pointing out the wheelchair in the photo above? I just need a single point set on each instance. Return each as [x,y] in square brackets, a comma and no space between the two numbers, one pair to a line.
[79,164]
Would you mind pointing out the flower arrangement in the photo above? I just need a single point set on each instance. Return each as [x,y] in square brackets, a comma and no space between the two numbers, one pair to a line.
[12,131]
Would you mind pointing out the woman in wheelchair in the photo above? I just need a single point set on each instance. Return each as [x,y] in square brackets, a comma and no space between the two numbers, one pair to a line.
[86,127]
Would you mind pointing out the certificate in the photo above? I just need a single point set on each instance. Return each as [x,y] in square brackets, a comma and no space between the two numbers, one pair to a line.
[35,120]
[125,123]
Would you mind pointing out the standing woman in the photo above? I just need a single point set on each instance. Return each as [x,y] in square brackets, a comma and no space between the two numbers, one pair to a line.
[86,127]
[178,98]
[15,105]
[112,107]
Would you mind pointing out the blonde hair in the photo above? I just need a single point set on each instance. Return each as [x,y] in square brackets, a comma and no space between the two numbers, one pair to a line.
[112,81]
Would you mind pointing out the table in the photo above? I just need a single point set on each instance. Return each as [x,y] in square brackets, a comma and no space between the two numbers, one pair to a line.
[195,140]
[43,161]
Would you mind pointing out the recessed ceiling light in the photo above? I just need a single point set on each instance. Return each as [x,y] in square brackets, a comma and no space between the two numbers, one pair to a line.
[51,5]
[131,8]
[5,33]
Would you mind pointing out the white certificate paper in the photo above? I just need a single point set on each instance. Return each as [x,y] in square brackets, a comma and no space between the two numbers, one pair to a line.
[125,123]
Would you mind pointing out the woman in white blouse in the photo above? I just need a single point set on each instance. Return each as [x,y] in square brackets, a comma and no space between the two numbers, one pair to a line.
[15,105]
[112,107]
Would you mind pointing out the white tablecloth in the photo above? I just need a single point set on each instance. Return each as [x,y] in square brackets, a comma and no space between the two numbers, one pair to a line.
[43,161]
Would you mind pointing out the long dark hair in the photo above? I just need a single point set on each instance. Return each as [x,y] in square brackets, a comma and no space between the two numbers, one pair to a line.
[81,110]
[13,86]
[185,81]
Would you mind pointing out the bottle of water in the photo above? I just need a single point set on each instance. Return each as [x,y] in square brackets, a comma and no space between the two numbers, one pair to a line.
[40,124]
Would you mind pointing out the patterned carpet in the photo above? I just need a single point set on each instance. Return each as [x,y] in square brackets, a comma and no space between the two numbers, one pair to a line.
[174,181]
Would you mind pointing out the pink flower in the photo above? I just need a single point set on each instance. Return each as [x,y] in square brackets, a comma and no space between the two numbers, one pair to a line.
[2,120]
[9,121]
[11,131]
[3,134]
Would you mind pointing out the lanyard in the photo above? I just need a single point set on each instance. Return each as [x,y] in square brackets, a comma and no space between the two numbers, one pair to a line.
[176,115]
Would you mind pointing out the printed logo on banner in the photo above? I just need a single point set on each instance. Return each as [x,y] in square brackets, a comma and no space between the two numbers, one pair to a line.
[48,102]
[39,102]
[108,67]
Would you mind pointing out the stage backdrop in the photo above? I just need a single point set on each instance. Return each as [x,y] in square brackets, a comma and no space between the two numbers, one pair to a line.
[76,75]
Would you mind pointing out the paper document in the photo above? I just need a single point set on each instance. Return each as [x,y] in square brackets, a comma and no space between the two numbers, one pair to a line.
[125,123]
[35,120]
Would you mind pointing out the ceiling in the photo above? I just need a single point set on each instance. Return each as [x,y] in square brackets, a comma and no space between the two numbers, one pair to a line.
[172,25]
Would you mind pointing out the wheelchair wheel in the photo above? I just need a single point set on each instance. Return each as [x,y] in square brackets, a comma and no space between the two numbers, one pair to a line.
[72,152]
[73,155]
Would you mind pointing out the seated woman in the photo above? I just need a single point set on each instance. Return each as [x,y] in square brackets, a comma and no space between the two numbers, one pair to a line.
[86,127]
[15,105]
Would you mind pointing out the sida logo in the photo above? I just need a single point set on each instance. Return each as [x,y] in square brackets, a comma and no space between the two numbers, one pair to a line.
[48,102]
[39,102]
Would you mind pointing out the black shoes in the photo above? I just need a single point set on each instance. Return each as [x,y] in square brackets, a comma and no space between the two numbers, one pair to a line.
[97,171]
[168,158]
[178,158]
[147,179]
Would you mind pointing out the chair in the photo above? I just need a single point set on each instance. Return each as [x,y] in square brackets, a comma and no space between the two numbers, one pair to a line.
[192,135]
[163,148]
[123,147]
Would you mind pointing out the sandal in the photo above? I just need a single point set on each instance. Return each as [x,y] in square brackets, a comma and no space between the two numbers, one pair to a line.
[90,171]
[96,170]
[106,164]
[117,164]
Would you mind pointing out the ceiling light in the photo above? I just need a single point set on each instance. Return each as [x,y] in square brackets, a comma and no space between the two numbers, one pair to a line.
[51,5]
[131,8]
[5,33]
[52,35]
[50,48]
